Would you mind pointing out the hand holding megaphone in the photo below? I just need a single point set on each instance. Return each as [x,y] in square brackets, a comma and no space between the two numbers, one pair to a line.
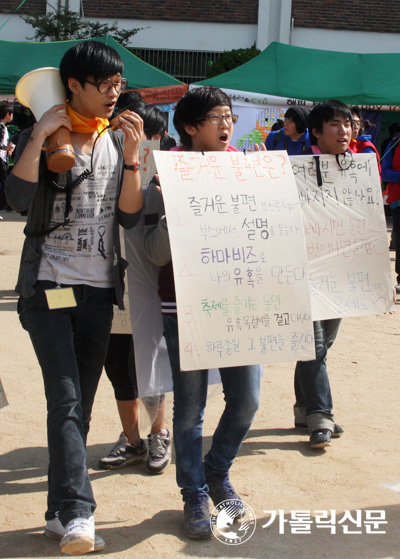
[115,123]
[43,92]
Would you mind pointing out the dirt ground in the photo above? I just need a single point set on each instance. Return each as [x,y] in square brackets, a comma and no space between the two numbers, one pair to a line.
[140,515]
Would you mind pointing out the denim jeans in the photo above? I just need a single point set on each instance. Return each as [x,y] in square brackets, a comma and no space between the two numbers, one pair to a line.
[311,380]
[241,386]
[71,346]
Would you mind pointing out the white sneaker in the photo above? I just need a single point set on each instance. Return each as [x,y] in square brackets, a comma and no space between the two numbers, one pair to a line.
[56,531]
[78,537]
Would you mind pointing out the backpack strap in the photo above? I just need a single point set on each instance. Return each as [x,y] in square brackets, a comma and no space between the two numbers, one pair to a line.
[277,139]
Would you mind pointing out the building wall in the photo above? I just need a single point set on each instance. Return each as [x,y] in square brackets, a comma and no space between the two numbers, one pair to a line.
[352,15]
[210,37]
[204,11]
[346,41]
[350,26]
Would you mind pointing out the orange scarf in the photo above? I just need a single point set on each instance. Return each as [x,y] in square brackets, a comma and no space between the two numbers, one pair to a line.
[83,124]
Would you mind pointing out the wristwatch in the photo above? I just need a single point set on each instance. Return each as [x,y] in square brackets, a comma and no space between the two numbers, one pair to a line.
[134,167]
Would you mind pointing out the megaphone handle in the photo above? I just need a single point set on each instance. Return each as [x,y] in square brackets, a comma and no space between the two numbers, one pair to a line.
[59,138]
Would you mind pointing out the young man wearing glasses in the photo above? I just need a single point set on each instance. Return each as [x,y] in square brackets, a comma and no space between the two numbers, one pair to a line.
[204,121]
[71,267]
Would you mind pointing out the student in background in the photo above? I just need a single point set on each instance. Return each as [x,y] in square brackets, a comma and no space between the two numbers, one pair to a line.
[391,175]
[6,150]
[120,367]
[293,137]
[361,142]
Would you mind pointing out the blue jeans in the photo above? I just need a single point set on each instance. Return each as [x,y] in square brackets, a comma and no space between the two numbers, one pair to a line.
[312,388]
[71,345]
[241,386]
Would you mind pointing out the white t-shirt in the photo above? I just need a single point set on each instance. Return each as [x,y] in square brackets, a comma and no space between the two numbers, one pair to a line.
[4,142]
[82,252]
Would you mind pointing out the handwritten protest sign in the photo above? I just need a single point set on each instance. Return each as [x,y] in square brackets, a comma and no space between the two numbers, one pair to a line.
[346,237]
[239,258]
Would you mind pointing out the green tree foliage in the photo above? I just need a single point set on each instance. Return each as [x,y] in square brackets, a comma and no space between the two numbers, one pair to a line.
[231,59]
[66,25]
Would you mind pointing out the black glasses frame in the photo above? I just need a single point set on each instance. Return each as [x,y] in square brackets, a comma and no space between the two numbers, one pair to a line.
[122,83]
[218,118]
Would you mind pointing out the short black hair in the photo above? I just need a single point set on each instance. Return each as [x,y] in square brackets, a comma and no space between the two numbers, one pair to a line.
[299,116]
[5,109]
[89,58]
[194,105]
[324,112]
[129,100]
[154,121]
[356,111]
[394,128]
[278,125]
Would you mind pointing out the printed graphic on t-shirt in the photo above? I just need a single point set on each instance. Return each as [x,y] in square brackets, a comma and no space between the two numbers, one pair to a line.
[83,249]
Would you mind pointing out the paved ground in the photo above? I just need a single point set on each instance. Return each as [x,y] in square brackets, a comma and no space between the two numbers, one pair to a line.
[140,515]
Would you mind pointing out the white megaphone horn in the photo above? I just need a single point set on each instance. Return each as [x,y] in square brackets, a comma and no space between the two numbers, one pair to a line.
[40,90]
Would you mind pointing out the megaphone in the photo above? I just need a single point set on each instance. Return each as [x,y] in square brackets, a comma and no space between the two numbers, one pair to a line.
[40,90]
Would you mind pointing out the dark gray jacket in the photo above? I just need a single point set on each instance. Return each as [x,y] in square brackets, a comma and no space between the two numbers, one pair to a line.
[37,198]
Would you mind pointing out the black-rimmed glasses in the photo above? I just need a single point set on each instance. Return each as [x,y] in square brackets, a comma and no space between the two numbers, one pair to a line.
[215,118]
[104,86]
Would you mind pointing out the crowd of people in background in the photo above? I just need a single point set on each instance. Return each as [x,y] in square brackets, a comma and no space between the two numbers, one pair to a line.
[73,339]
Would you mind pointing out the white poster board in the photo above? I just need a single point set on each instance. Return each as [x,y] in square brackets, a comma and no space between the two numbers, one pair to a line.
[239,256]
[346,236]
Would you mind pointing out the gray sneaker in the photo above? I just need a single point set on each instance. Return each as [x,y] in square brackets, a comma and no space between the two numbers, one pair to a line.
[220,489]
[159,455]
[336,433]
[124,454]
[196,523]
[320,438]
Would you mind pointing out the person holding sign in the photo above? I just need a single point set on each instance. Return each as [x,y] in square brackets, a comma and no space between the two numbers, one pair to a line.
[72,270]
[204,121]
[330,125]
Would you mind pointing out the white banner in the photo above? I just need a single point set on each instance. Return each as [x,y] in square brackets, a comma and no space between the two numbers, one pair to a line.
[239,258]
[346,236]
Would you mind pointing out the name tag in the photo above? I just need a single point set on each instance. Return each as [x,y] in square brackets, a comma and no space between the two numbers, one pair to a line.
[60,298]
